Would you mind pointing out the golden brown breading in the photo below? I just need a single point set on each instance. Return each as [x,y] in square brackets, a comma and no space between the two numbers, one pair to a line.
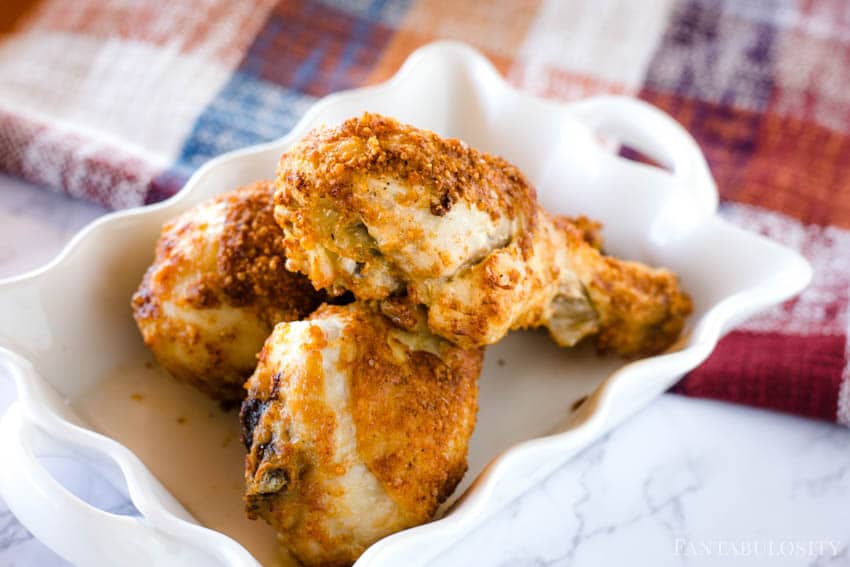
[217,286]
[355,429]
[590,229]
[641,310]
[373,188]
[399,215]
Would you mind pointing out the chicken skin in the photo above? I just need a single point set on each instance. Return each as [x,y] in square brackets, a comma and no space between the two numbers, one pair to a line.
[412,222]
[216,288]
[355,429]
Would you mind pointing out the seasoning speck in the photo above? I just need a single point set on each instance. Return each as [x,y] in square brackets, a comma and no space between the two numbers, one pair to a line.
[181,420]
[136,397]
[577,404]
[501,362]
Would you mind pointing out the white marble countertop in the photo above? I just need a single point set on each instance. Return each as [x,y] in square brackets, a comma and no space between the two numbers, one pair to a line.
[685,482]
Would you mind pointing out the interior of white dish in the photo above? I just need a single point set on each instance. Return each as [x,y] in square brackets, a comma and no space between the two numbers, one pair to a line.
[74,322]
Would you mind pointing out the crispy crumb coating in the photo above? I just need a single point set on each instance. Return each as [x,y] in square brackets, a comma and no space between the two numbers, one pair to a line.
[355,429]
[641,310]
[217,286]
[379,203]
[399,215]
[591,230]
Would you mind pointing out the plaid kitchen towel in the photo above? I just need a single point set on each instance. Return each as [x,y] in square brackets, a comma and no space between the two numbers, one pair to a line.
[118,101]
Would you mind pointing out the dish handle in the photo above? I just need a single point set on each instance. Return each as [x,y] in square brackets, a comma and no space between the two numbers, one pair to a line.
[163,534]
[51,512]
[647,129]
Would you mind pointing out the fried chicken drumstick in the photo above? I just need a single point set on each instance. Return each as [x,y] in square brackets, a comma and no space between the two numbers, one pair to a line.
[215,290]
[413,222]
[355,429]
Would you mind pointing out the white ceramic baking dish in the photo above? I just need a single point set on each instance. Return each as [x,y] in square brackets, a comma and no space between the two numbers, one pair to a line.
[67,327]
